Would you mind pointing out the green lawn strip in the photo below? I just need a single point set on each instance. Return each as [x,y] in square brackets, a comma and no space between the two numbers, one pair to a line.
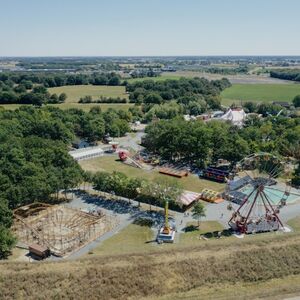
[111,163]
[132,238]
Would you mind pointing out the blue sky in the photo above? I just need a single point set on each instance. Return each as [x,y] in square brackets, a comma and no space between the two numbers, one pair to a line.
[149,27]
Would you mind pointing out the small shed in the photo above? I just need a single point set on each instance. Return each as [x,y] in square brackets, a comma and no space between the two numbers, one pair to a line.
[79,144]
[39,251]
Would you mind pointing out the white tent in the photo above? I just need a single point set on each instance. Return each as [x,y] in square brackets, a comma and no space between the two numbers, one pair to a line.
[235,116]
[86,153]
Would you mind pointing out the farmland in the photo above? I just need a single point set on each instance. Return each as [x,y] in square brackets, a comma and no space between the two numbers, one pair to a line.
[260,93]
[235,79]
[75,92]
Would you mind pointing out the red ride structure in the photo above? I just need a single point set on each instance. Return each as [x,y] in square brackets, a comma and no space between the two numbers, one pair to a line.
[256,213]
[260,195]
[123,155]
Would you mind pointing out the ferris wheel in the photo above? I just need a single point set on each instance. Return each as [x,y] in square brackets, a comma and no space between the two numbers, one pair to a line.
[261,190]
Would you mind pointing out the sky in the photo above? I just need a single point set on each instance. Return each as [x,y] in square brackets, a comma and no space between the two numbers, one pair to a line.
[149,27]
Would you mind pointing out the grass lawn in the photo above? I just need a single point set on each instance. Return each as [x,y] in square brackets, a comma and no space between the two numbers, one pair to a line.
[131,239]
[75,92]
[295,223]
[190,237]
[84,107]
[111,163]
[260,93]
[141,239]
[136,238]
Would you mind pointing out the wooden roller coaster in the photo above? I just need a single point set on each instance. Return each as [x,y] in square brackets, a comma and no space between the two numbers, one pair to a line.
[61,229]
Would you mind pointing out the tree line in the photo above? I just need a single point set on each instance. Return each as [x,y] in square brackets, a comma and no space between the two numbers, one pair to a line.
[55,79]
[155,192]
[31,88]
[102,99]
[201,143]
[286,74]
[28,94]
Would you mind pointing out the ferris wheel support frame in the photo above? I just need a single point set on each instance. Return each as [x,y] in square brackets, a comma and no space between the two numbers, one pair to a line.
[242,228]
[274,212]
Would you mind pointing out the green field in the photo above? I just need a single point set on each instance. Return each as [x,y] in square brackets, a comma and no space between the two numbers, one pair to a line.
[75,92]
[260,93]
[171,75]
[164,76]
[110,164]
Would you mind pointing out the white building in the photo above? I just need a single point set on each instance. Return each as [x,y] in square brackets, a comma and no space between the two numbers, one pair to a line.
[86,153]
[235,116]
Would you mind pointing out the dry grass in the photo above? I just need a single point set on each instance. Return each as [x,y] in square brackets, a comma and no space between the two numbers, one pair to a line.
[274,289]
[111,163]
[208,269]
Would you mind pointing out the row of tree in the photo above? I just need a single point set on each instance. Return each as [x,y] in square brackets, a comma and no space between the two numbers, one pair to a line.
[155,192]
[286,74]
[54,79]
[20,94]
[102,99]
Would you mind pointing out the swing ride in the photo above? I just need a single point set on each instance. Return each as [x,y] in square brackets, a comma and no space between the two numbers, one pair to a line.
[260,191]
[166,233]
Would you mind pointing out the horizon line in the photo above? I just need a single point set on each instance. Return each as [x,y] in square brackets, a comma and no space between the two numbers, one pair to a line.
[141,56]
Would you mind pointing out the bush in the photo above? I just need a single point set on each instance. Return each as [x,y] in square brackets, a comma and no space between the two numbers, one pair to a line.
[7,242]
[296,101]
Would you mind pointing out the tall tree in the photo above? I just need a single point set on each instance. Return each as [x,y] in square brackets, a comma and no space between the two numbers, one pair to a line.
[198,212]
[7,242]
